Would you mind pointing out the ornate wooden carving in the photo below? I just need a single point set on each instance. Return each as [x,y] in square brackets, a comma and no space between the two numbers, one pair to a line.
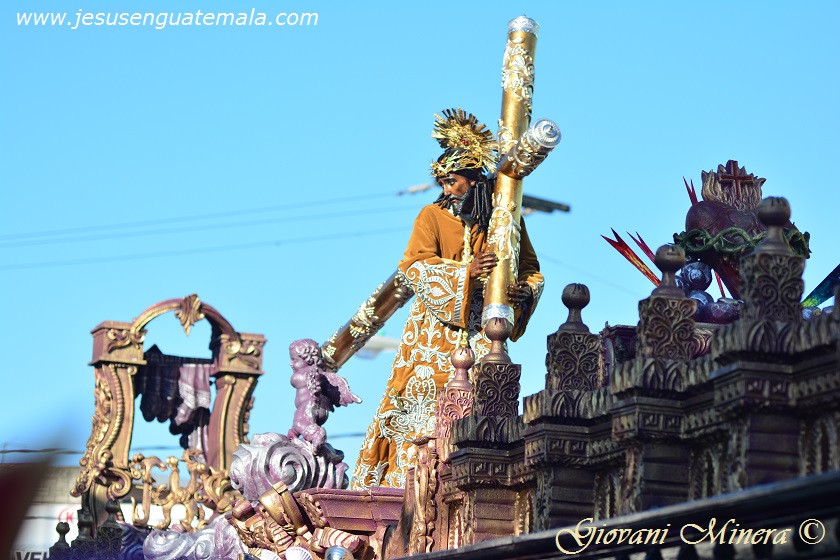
[459,511]
[189,312]
[543,498]
[497,389]
[735,475]
[677,421]
[524,511]
[631,483]
[106,471]
[571,404]
[819,444]
[280,520]
[486,431]
[706,470]
[109,536]
[574,355]
[772,286]
[618,345]
[772,275]
[455,401]
[673,423]
[425,490]
[666,324]
[608,485]
[496,379]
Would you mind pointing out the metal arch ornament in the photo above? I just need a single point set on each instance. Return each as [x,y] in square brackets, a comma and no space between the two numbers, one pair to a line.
[189,310]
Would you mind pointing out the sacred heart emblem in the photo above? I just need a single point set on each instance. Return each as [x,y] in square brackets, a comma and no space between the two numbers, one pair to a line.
[724,226]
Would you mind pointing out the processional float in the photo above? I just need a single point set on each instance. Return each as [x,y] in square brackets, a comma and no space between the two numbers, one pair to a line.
[522,146]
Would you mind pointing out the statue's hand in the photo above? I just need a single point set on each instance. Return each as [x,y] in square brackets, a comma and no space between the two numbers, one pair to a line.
[520,293]
[483,263]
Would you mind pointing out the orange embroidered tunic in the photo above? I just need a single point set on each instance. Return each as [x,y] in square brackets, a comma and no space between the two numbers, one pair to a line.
[446,302]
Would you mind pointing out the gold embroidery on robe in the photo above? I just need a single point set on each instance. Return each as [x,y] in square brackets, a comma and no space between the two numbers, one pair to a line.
[446,302]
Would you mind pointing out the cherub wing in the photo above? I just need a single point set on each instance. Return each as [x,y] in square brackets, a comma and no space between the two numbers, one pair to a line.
[313,381]
[338,390]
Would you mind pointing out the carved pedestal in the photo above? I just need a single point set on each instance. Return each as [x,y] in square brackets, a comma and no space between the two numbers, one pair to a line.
[568,435]
[489,445]
[650,389]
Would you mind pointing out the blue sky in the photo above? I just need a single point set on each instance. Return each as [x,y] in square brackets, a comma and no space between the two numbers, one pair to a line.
[258,167]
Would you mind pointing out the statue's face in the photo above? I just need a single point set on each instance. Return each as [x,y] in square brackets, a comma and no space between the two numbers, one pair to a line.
[456,185]
[297,362]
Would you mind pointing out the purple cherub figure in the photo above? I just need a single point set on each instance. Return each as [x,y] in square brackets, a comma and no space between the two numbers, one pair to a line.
[319,390]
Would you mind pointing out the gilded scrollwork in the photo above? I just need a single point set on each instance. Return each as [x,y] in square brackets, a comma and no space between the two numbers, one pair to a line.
[504,235]
[313,510]
[241,411]
[368,319]
[97,462]
[530,150]
[216,491]
[248,352]
[189,312]
[518,72]
[504,137]
[106,470]
[121,338]
[278,521]
[206,487]
[141,469]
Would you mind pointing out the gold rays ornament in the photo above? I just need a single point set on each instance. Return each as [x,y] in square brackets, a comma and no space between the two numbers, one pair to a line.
[468,143]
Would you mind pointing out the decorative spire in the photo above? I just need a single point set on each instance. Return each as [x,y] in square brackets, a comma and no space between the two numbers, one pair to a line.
[573,361]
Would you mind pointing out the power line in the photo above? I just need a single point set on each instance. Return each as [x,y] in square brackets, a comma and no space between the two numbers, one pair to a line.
[542,256]
[114,258]
[213,226]
[194,217]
